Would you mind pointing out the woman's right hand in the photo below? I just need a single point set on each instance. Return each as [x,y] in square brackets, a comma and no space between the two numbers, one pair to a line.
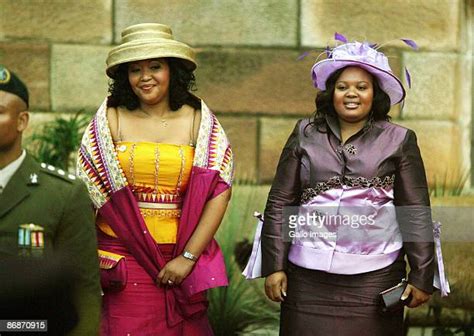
[276,285]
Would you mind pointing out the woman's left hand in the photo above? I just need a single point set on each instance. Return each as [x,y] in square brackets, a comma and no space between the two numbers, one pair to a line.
[175,271]
[418,296]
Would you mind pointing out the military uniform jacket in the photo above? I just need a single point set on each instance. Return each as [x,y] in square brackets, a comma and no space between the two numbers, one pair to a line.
[59,203]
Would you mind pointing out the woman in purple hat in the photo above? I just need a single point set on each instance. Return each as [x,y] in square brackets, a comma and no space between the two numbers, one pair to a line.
[348,202]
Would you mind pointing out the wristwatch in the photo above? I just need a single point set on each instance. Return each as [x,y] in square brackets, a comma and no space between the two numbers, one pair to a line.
[190,256]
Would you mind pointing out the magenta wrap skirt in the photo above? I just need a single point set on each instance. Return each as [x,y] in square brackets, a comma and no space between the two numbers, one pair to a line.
[139,310]
[322,304]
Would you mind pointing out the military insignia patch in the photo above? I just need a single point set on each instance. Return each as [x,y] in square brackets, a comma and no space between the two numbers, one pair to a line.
[4,75]
[33,179]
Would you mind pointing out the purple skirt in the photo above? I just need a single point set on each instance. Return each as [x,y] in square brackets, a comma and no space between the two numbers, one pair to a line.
[139,309]
[320,303]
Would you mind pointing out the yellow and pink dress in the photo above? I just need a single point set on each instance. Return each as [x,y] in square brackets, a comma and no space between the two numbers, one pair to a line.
[149,199]
[158,175]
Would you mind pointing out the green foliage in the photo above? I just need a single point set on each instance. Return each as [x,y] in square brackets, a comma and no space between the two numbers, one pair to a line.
[57,141]
[241,307]
[450,185]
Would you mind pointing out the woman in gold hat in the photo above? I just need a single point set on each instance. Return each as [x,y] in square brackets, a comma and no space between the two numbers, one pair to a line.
[158,167]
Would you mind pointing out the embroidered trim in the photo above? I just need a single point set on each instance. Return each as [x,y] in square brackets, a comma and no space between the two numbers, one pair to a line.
[108,260]
[147,194]
[181,171]
[98,164]
[157,168]
[131,160]
[169,213]
[339,181]
[213,150]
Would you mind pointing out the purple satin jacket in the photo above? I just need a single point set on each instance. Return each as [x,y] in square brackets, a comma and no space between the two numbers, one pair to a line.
[370,193]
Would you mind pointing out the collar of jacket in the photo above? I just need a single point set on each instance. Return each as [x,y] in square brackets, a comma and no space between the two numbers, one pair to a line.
[333,123]
[18,187]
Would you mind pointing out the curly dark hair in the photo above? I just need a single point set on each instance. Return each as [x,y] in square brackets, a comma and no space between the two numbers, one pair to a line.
[325,106]
[182,81]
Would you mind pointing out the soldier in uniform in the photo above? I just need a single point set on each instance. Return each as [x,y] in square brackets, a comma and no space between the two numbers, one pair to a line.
[44,212]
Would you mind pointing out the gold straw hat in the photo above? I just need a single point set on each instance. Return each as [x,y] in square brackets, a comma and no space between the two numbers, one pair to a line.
[149,40]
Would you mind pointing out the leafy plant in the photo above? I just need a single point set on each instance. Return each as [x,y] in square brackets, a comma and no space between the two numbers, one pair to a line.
[449,185]
[58,140]
[242,306]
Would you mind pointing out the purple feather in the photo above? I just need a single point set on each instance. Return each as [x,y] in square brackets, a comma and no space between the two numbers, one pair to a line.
[408,77]
[410,43]
[303,55]
[340,37]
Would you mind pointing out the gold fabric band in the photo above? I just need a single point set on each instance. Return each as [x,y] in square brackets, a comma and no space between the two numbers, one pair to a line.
[149,205]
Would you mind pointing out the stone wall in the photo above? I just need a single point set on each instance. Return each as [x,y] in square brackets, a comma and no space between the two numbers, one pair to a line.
[248,72]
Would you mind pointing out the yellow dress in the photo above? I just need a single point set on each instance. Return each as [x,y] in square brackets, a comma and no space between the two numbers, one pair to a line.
[158,174]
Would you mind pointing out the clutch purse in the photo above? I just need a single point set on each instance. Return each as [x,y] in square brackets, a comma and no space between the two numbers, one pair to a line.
[113,271]
[390,299]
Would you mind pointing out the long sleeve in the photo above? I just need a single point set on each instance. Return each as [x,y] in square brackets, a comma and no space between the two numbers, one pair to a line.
[76,238]
[414,214]
[285,191]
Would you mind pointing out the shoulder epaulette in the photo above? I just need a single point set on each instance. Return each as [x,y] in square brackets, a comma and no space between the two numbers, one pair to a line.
[51,170]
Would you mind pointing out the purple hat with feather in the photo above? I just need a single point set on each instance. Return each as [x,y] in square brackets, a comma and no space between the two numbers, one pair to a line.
[365,56]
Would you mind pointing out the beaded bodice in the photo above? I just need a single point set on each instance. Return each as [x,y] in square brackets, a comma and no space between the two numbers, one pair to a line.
[156,172]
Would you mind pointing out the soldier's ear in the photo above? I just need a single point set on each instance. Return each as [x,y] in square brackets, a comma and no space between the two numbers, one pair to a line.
[22,121]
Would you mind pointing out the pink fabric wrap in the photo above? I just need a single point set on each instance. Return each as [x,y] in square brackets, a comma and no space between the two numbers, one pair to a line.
[209,270]
[145,304]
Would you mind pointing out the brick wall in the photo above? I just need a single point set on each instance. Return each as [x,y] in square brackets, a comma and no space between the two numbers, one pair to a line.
[248,73]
